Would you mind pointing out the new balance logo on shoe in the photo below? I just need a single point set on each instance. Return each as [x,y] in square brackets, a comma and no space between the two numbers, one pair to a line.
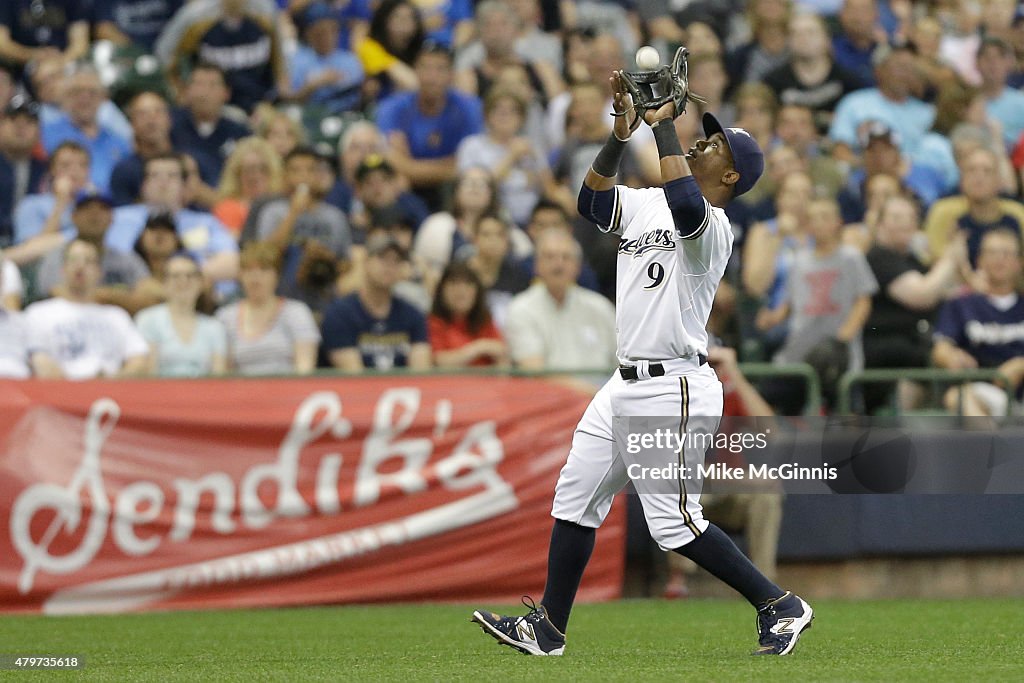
[532,634]
[779,628]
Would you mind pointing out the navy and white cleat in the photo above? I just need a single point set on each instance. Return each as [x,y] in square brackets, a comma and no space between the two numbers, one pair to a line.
[532,634]
[779,629]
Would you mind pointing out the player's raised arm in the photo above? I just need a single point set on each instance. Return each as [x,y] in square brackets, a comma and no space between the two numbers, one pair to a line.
[597,201]
[686,201]
[714,171]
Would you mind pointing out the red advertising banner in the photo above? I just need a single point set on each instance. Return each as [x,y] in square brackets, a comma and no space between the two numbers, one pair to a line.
[135,495]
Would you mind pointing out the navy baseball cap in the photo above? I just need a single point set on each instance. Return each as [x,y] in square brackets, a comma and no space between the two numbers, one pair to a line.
[86,196]
[747,157]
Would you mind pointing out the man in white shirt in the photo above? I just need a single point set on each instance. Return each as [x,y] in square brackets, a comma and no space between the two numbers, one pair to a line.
[556,324]
[73,337]
[13,354]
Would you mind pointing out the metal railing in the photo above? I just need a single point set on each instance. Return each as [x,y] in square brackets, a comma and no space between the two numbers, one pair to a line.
[933,376]
[800,371]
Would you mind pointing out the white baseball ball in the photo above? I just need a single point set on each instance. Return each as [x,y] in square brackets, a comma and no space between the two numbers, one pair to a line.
[647,58]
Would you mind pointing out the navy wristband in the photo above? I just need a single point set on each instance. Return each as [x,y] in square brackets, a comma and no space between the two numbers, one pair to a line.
[608,159]
[667,139]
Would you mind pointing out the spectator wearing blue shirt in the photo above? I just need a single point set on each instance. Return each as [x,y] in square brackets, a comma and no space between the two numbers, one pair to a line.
[858,36]
[996,61]
[200,129]
[83,95]
[133,22]
[372,328]
[163,189]
[322,73]
[43,214]
[892,103]
[47,83]
[33,29]
[955,106]
[985,329]
[150,116]
[425,128]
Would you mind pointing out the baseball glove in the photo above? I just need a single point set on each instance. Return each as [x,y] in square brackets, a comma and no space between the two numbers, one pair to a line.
[651,90]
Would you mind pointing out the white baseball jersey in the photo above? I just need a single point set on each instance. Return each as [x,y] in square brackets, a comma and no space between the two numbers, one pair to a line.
[665,284]
[666,287]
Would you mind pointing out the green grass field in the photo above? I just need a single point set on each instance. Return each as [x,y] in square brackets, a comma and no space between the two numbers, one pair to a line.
[697,640]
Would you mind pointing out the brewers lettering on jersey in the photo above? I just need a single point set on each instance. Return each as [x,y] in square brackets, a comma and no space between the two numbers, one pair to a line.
[675,244]
[665,280]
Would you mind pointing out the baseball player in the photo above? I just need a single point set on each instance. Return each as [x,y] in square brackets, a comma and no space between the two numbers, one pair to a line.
[675,243]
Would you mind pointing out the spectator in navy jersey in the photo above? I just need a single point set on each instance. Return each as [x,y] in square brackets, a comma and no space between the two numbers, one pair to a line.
[21,170]
[244,44]
[372,328]
[133,22]
[150,117]
[200,128]
[810,76]
[857,37]
[34,29]
[986,329]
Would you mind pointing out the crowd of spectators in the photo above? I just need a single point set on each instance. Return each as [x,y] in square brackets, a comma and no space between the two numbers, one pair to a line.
[378,184]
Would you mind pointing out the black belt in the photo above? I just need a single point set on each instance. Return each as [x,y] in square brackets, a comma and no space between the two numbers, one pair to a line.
[629,372]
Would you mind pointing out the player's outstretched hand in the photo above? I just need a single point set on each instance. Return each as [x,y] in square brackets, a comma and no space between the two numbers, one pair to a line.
[665,111]
[622,103]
